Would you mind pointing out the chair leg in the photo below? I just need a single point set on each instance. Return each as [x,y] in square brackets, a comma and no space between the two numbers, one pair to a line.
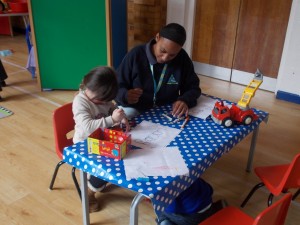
[296,194]
[76,182]
[259,185]
[270,199]
[55,173]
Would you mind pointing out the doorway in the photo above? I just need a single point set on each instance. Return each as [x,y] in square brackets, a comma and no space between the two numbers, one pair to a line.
[232,38]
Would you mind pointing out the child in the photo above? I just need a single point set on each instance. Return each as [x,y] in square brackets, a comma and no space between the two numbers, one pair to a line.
[192,206]
[3,76]
[93,108]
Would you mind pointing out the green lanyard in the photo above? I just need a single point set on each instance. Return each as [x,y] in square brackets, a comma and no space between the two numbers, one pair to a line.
[157,87]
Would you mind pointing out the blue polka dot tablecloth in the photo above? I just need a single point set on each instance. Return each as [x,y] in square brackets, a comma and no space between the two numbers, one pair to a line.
[201,143]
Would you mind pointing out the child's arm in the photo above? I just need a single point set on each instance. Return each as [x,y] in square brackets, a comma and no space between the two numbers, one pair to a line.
[119,116]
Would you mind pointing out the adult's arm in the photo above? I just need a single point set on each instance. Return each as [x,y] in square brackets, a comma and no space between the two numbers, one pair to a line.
[190,89]
[124,73]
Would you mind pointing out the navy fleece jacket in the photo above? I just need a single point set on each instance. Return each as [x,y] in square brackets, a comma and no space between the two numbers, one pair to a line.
[180,81]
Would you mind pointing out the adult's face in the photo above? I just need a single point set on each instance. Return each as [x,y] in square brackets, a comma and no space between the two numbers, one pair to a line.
[165,50]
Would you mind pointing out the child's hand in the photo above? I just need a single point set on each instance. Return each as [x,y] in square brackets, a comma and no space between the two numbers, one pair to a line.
[126,124]
[118,115]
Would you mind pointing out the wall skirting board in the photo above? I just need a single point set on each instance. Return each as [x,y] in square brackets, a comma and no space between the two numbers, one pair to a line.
[282,95]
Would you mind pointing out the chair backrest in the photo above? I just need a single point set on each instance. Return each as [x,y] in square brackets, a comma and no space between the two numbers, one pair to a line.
[276,213]
[63,123]
[292,176]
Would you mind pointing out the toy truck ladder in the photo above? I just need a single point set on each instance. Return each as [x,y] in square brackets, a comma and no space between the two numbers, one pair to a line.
[250,90]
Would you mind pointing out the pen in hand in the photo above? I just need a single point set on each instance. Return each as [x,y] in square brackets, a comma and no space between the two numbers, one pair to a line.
[123,121]
[185,122]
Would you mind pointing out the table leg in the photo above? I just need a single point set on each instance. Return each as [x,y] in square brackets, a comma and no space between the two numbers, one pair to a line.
[134,210]
[252,149]
[84,198]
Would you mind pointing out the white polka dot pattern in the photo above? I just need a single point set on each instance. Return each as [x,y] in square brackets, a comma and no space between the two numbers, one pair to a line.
[201,143]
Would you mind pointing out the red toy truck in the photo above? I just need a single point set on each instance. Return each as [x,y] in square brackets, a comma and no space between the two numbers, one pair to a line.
[223,115]
[238,113]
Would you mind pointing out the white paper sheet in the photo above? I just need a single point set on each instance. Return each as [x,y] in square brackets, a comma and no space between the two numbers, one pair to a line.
[152,135]
[154,162]
[203,108]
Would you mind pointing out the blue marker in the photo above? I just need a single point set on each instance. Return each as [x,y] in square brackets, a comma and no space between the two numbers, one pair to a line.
[143,179]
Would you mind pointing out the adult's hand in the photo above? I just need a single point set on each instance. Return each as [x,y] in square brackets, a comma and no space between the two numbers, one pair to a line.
[133,95]
[180,108]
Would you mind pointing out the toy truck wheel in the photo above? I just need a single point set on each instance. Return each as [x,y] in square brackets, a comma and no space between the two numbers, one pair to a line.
[247,120]
[227,122]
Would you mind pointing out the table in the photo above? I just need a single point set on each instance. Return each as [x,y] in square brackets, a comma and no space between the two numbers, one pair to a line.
[201,143]
[10,14]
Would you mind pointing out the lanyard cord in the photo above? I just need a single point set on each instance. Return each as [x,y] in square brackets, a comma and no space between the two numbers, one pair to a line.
[157,87]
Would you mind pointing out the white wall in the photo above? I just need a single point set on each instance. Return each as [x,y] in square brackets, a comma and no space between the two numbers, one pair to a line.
[289,71]
[182,12]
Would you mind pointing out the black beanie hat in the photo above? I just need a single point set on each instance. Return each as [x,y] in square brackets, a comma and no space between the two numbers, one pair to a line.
[174,32]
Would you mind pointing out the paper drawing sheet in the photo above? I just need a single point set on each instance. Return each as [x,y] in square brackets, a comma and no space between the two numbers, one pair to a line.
[154,162]
[152,135]
[203,108]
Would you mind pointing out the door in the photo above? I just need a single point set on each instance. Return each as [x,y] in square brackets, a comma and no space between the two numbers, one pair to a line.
[232,38]
[260,38]
[214,37]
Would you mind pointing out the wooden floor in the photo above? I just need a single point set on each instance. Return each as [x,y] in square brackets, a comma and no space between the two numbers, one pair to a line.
[27,156]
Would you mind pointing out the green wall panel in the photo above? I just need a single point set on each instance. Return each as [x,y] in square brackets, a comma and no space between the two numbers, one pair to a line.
[70,38]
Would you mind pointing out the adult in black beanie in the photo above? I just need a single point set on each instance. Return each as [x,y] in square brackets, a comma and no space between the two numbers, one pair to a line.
[158,73]
[174,32]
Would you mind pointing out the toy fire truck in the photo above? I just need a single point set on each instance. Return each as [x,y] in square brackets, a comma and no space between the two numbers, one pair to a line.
[239,113]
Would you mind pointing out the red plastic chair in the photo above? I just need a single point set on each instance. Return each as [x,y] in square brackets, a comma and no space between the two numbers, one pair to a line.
[273,215]
[277,179]
[63,123]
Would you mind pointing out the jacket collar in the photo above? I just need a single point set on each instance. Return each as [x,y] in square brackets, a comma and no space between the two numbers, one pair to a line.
[150,56]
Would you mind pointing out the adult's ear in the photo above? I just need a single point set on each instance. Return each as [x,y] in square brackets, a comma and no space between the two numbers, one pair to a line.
[157,37]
